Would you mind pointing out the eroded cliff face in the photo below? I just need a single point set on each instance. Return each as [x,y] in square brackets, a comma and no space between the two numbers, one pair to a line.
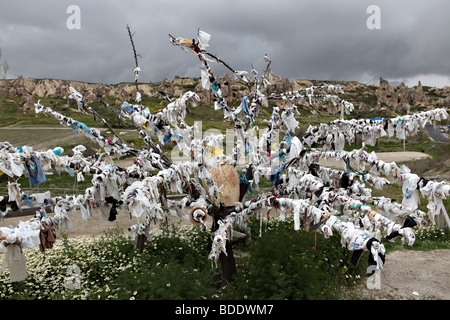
[29,89]
[400,98]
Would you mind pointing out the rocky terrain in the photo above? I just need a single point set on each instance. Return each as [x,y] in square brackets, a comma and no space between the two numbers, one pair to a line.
[400,99]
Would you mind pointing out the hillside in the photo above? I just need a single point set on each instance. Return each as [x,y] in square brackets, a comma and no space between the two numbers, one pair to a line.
[382,98]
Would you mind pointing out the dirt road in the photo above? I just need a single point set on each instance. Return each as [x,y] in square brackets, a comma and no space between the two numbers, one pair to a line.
[410,275]
[402,156]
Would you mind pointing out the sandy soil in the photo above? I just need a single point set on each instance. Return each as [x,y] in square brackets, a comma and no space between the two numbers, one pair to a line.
[94,227]
[411,275]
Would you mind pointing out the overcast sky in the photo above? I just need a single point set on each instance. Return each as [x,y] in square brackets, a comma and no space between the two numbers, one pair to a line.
[322,40]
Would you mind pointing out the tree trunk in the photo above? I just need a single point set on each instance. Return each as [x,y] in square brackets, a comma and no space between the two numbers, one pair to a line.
[228,264]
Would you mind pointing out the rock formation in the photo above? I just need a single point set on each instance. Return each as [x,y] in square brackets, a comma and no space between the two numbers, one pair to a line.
[443,96]
[443,102]
[167,87]
[232,88]
[401,98]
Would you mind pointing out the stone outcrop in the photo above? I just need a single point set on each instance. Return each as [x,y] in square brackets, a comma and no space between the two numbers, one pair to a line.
[443,102]
[167,87]
[400,98]
[442,96]
[30,89]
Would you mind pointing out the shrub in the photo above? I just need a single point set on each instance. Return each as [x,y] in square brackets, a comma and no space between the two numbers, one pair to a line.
[289,264]
[172,267]
[169,280]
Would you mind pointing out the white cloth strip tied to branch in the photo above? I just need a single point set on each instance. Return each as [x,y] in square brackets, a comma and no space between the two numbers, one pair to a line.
[372,129]
[12,161]
[209,81]
[174,114]
[147,187]
[376,167]
[352,237]
[434,191]
[224,232]
[110,146]
[76,163]
[105,177]
[325,89]
[146,193]
[176,110]
[333,176]
[167,114]
[375,221]
[25,235]
[300,180]
[145,201]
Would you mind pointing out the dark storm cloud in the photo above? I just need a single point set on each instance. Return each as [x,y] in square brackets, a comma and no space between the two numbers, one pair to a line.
[326,40]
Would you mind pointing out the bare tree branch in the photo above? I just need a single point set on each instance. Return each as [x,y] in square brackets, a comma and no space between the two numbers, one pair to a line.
[135,55]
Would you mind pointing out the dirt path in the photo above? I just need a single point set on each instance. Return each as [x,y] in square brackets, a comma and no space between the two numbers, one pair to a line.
[40,137]
[93,227]
[410,275]
[402,156]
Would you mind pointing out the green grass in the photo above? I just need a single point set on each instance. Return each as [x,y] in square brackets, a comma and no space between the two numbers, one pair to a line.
[58,184]
[279,265]
[392,191]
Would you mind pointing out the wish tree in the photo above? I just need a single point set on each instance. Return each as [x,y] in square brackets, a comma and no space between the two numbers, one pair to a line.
[220,190]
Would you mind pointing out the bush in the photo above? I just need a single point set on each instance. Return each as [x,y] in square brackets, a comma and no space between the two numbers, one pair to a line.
[100,261]
[180,282]
[284,264]
[173,266]
[170,279]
